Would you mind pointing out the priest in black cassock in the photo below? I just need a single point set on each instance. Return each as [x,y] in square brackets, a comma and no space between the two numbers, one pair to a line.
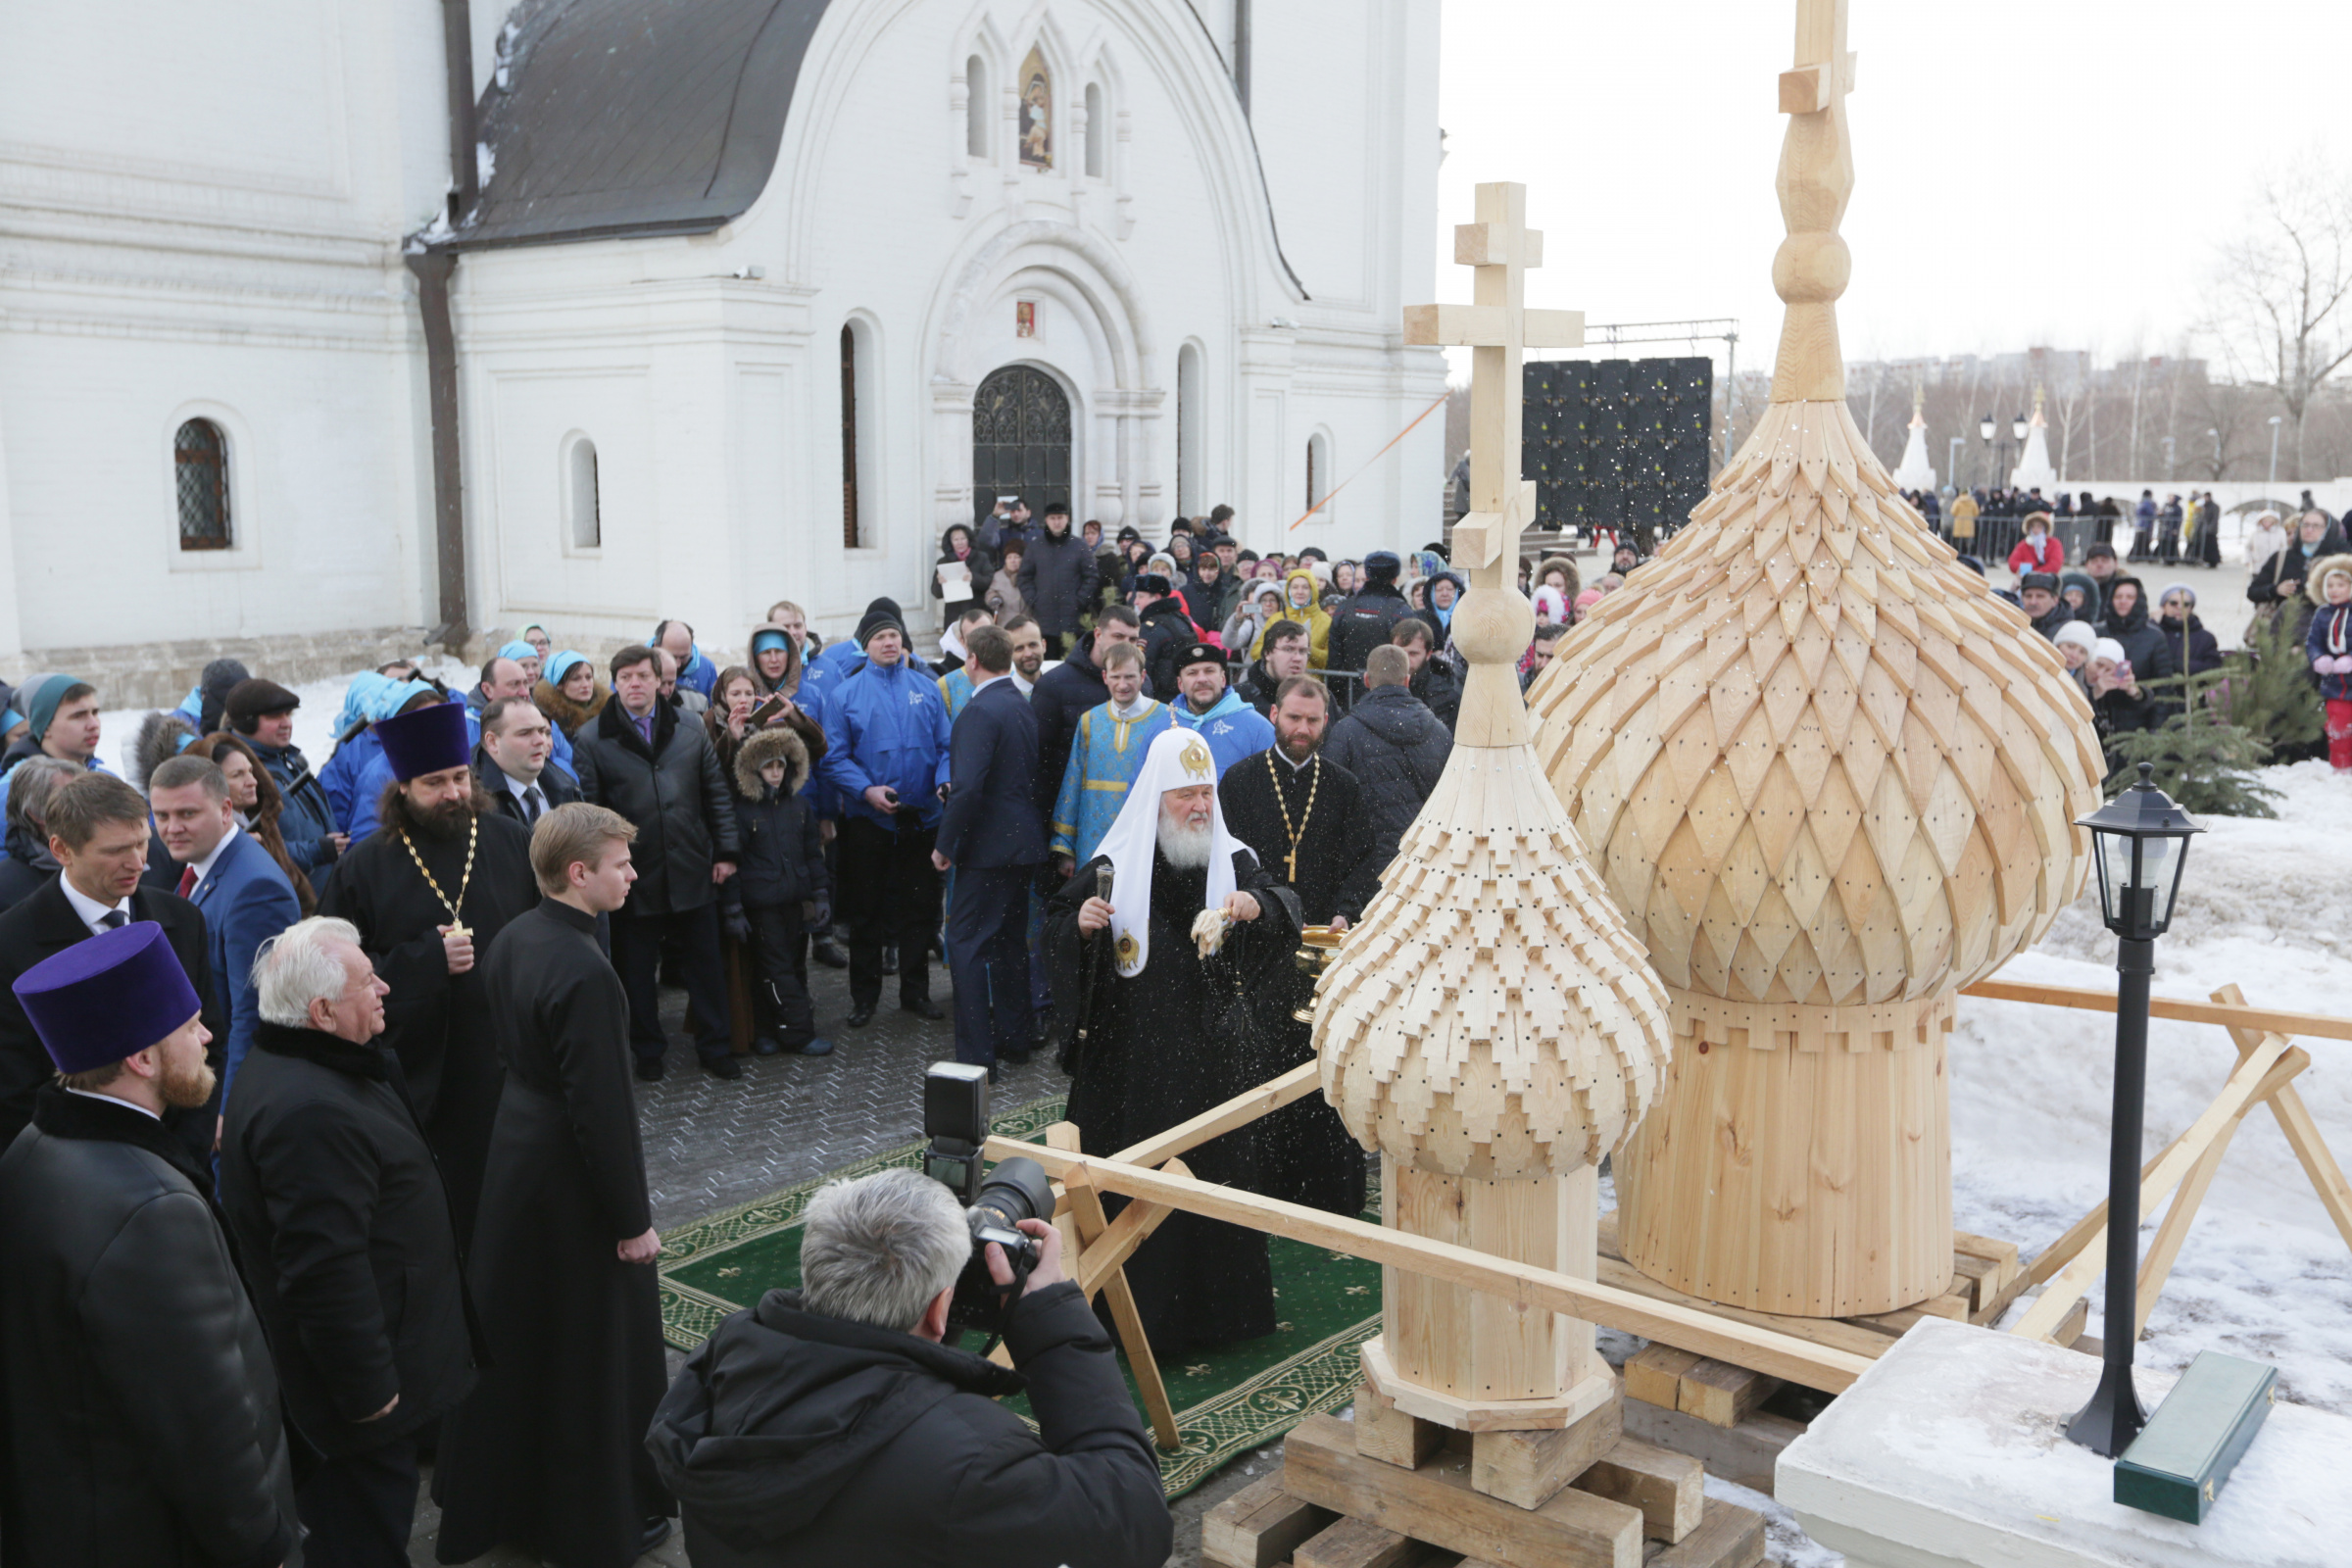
[1158,1033]
[1304,818]
[549,1452]
[428,891]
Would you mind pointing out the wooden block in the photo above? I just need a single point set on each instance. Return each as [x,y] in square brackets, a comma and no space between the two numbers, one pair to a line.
[1723,1395]
[1669,1487]
[1385,1433]
[1258,1525]
[1527,1467]
[1745,1454]
[1354,1544]
[2070,1327]
[1655,1375]
[1436,1503]
[1980,1277]
[1727,1537]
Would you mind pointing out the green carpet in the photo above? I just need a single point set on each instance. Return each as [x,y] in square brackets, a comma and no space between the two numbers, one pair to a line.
[1226,1403]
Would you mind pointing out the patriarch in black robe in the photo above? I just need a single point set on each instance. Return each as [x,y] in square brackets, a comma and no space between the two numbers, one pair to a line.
[549,1452]
[428,892]
[1304,816]
[1157,1031]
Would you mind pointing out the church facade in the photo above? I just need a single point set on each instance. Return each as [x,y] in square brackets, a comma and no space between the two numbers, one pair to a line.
[751,300]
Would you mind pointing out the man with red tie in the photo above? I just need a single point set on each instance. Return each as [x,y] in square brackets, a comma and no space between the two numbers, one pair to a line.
[234,881]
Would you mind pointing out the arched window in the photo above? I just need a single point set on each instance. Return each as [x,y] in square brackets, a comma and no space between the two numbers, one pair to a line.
[860,429]
[979,109]
[200,459]
[1318,471]
[583,497]
[1189,430]
[1098,133]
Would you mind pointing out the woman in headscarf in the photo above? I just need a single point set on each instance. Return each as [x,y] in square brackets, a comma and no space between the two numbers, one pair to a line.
[1300,602]
[254,797]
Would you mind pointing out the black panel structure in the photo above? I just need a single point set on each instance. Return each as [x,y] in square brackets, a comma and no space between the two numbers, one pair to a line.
[1619,444]
[1020,439]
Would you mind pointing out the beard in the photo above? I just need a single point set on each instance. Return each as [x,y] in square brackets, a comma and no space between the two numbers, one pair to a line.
[1184,846]
[1299,748]
[188,1088]
[447,821]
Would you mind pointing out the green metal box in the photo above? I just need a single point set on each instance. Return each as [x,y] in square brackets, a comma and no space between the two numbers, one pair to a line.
[2182,1458]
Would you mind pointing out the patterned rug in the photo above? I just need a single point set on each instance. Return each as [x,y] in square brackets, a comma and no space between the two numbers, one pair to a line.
[1226,1403]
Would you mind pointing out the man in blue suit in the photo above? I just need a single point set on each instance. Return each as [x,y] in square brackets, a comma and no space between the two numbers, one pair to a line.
[990,834]
[233,882]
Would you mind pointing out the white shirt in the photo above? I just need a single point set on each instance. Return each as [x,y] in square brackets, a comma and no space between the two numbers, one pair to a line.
[92,1094]
[204,867]
[980,686]
[93,913]
[1132,710]
[520,789]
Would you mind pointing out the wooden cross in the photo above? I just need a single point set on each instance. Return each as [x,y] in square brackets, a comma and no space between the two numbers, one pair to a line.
[1825,67]
[1498,328]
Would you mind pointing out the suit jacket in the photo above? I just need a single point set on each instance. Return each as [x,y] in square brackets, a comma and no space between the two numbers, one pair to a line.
[559,786]
[990,816]
[45,924]
[245,900]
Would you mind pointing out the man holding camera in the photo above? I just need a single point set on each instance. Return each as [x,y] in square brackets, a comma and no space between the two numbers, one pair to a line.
[831,1424]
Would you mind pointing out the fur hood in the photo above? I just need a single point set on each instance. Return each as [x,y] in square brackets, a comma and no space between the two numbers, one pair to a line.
[1551,564]
[764,746]
[161,737]
[2315,583]
[567,714]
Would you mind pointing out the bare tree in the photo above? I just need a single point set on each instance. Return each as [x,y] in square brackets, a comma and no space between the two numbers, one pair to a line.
[2284,295]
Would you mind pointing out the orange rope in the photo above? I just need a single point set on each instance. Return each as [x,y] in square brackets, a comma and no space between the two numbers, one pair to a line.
[1375,458]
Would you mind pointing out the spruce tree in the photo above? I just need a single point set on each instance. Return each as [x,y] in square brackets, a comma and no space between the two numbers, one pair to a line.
[2268,689]
[2202,757]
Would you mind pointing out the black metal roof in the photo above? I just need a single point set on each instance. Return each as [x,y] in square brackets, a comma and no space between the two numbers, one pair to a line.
[634,117]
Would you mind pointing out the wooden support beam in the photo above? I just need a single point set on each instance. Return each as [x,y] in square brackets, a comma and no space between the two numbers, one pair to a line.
[1705,1332]
[1087,1206]
[1723,1395]
[1653,1374]
[2233,1014]
[1527,1468]
[1354,1544]
[1239,1111]
[2302,1133]
[1259,1526]
[1391,1435]
[1668,1488]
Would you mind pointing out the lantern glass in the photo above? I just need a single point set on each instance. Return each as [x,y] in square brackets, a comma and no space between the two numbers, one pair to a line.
[1985,427]
[2018,428]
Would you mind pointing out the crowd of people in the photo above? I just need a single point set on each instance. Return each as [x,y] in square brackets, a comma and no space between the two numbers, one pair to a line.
[334,1059]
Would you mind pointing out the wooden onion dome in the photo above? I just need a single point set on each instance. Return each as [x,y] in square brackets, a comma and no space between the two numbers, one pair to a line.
[1830,779]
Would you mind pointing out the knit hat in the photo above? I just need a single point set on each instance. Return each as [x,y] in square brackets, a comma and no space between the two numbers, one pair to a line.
[251,699]
[109,998]
[2108,648]
[1589,598]
[2097,550]
[38,697]
[2172,588]
[2046,581]
[881,613]
[1382,565]
[429,740]
[2079,633]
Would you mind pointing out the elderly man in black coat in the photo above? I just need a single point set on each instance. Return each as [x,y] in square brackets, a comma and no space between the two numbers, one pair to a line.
[832,1425]
[993,841]
[98,831]
[664,776]
[141,1424]
[1393,745]
[336,1200]
[1057,579]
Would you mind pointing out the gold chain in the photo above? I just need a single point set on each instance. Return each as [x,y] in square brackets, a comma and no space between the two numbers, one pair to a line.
[1314,782]
[473,830]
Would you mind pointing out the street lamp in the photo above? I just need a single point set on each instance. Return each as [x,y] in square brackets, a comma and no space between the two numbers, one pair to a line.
[1951,461]
[2141,845]
[2274,453]
[1985,428]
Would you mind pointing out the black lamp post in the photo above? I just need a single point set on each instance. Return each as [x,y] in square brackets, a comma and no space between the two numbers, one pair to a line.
[2141,840]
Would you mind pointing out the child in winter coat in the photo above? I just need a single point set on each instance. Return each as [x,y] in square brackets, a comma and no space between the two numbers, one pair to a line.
[2330,645]
[780,892]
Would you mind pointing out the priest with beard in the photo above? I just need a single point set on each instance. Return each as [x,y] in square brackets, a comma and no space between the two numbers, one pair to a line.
[1157,1031]
[1304,816]
[428,892]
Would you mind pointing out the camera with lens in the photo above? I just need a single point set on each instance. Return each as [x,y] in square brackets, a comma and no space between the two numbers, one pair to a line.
[955,1128]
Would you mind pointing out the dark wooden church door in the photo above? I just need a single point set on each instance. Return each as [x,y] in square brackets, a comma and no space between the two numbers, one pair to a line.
[1020,440]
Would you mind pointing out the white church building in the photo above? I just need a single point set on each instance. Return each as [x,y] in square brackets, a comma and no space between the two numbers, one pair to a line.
[720,301]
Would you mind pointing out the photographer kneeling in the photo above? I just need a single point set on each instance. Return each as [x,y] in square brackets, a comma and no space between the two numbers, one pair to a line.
[830,1426]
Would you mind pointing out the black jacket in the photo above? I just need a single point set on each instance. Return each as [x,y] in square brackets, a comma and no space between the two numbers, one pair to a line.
[141,1421]
[560,787]
[2150,653]
[1258,687]
[1062,696]
[791,1438]
[43,925]
[2293,565]
[307,816]
[1168,632]
[783,845]
[1362,621]
[673,791]
[1056,581]
[337,1206]
[1397,749]
[1439,689]
[993,783]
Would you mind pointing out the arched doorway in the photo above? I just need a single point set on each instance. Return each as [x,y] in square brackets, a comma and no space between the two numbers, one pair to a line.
[1020,439]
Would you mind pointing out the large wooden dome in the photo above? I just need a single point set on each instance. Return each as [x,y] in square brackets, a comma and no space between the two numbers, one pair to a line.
[1830,778]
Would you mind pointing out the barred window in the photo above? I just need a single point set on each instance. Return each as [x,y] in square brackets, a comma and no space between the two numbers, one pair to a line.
[200,458]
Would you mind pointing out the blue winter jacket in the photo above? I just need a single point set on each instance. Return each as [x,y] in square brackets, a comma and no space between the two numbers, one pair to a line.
[1232,727]
[887,726]
[342,777]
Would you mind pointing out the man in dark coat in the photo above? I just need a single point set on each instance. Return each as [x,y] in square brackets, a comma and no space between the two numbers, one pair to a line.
[337,1206]
[831,1424]
[550,1450]
[263,712]
[663,775]
[1395,747]
[1303,818]
[1057,580]
[1167,631]
[428,894]
[1157,1034]
[141,1424]
[1431,675]
[2038,594]
[514,760]
[1069,690]
[98,832]
[1366,618]
[990,836]
[1286,656]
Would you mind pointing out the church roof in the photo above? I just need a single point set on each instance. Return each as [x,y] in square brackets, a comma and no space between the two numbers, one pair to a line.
[633,116]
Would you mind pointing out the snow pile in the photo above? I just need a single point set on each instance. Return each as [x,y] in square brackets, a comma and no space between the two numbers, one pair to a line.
[2269,905]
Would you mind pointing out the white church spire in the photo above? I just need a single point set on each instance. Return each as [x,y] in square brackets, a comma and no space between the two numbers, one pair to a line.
[2033,468]
[1915,471]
